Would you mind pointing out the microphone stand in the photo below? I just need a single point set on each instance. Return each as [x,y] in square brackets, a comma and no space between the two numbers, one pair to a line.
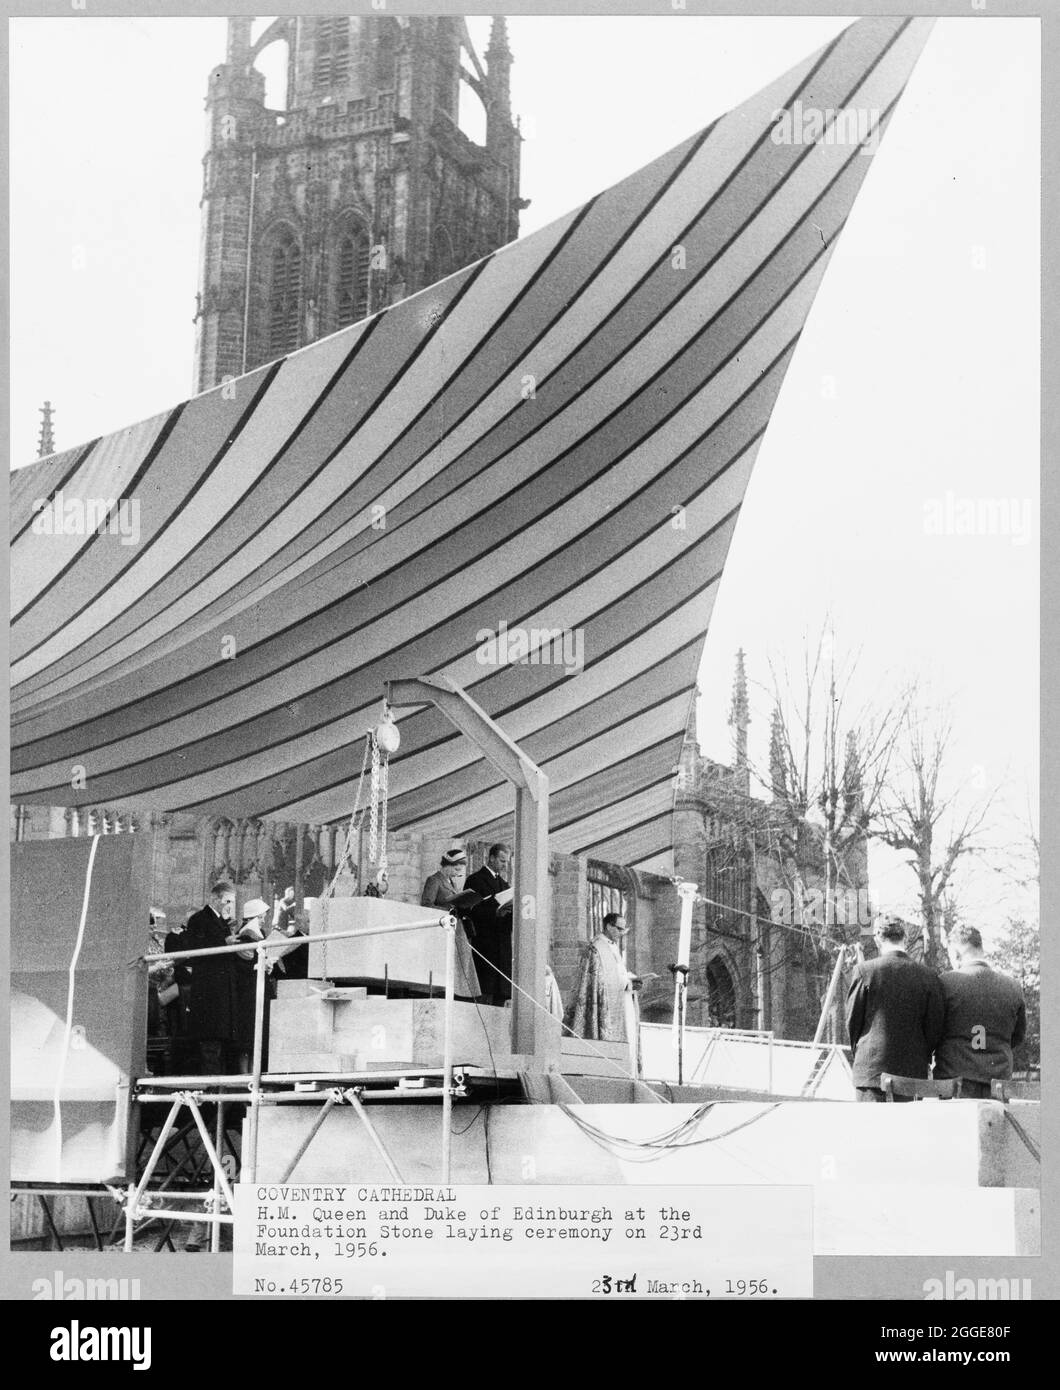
[680,974]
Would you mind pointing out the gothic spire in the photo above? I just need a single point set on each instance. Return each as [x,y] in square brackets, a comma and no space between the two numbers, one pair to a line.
[46,442]
[499,71]
[498,44]
[778,763]
[739,720]
[853,789]
[238,45]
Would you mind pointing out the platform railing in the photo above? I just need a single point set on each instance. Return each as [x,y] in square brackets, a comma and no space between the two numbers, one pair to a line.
[767,1059]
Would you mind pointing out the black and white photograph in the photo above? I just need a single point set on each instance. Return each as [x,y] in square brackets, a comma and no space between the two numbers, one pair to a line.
[524,658]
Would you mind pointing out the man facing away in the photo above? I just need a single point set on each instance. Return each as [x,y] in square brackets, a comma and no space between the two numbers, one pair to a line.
[894,1013]
[985,1018]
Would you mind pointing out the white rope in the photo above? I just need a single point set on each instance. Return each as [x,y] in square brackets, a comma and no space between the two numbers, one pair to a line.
[651,1150]
[379,796]
[61,1076]
[352,830]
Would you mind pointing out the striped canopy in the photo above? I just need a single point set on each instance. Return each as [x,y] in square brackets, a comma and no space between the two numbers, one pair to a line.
[556,439]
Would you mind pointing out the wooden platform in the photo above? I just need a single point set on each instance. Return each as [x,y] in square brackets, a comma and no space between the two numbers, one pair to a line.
[316,1026]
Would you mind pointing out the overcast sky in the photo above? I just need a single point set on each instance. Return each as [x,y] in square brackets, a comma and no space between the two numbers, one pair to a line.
[915,384]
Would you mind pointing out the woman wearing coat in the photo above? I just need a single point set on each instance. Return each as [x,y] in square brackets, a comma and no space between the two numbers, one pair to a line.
[445,884]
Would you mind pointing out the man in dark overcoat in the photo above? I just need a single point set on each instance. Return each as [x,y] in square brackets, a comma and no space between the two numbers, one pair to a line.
[211,1016]
[895,1012]
[492,925]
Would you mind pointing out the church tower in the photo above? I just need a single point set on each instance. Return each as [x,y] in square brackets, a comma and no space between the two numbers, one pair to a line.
[363,190]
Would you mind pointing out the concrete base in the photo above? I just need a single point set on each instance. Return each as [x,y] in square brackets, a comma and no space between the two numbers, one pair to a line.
[969,1191]
[940,1145]
[1005,1158]
[909,1219]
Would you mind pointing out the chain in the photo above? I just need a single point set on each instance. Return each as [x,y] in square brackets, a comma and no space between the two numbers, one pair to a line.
[384,800]
[324,928]
[373,804]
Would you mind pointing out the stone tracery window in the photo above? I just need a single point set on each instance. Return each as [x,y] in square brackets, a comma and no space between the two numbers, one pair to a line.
[606,893]
[331,64]
[443,253]
[353,260]
[285,293]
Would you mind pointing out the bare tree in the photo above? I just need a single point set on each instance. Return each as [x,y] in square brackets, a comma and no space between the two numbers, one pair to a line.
[1017,952]
[1018,860]
[828,765]
[1017,949]
[922,815]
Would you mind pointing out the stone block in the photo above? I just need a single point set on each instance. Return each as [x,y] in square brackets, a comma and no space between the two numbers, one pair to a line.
[298,989]
[377,1033]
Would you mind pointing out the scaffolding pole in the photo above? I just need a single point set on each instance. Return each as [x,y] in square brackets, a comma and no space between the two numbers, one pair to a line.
[447,1050]
[373,1134]
[251,1159]
[325,1110]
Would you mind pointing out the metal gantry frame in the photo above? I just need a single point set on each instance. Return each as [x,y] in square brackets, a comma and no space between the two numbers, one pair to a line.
[530,909]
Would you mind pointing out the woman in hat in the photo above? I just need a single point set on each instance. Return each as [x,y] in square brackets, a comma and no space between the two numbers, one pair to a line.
[440,890]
